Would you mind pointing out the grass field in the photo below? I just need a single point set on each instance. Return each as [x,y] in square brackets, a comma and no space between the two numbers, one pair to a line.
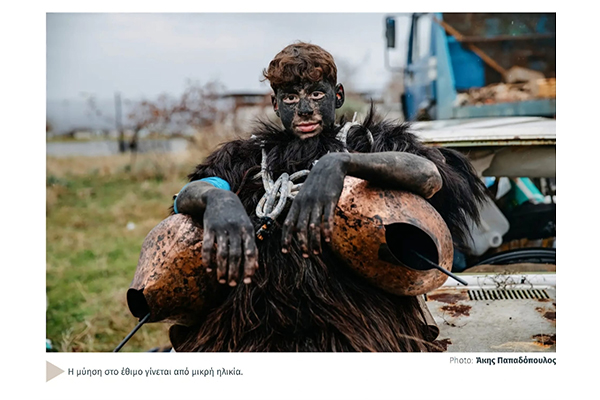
[98,211]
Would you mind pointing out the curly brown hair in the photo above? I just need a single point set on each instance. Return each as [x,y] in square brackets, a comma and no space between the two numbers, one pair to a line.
[300,62]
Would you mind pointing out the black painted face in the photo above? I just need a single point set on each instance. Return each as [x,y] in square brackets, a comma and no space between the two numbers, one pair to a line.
[309,107]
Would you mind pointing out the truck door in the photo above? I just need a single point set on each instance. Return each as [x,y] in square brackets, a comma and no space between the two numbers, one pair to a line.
[420,73]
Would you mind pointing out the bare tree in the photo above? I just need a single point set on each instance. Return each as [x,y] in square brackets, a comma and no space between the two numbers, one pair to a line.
[197,107]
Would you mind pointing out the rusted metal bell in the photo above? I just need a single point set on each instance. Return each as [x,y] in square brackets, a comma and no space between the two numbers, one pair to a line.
[379,233]
[170,282]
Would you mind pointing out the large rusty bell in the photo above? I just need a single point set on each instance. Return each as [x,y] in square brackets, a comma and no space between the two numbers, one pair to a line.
[170,282]
[383,235]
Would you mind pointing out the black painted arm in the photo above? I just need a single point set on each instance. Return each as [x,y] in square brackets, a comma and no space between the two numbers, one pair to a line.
[394,170]
[311,214]
[225,223]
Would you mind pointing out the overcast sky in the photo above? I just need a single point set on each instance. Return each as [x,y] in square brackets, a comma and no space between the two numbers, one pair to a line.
[142,55]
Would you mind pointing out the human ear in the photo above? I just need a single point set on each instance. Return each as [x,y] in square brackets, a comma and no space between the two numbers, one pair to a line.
[274,103]
[339,95]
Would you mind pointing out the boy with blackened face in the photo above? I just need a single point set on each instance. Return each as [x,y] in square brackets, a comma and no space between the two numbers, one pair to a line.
[303,78]
[290,279]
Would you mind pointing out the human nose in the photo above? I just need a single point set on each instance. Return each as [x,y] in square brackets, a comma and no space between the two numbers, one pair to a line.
[304,108]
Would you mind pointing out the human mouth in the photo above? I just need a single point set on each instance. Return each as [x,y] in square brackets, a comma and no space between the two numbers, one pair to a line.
[307,127]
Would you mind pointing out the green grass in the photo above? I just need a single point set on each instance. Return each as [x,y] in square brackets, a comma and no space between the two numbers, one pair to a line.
[92,255]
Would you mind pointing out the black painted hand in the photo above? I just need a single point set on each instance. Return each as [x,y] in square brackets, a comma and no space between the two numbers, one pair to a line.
[227,225]
[312,211]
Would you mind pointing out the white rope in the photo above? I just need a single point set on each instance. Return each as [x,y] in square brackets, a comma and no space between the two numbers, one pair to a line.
[276,192]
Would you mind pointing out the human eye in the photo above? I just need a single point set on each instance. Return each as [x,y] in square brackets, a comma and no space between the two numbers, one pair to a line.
[290,98]
[316,95]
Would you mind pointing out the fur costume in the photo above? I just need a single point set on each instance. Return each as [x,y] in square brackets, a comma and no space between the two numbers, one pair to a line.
[317,303]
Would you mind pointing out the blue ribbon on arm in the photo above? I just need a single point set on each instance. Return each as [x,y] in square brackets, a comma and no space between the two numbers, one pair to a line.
[217,182]
[213,180]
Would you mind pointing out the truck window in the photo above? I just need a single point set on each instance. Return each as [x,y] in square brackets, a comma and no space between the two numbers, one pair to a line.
[422,38]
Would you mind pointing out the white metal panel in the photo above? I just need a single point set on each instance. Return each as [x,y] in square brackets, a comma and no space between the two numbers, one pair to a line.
[488,131]
[496,325]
